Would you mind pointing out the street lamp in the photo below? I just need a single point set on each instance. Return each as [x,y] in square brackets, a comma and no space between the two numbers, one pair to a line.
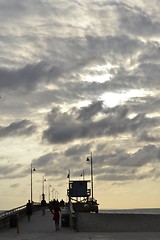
[56,195]
[49,192]
[43,180]
[90,159]
[32,170]
[53,193]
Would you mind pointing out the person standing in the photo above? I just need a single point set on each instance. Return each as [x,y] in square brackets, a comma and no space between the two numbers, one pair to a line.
[43,205]
[29,210]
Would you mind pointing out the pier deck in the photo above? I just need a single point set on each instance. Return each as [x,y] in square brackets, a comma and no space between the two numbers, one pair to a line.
[42,228]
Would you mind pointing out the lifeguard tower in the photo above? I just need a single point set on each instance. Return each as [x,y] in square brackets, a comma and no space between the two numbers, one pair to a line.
[79,194]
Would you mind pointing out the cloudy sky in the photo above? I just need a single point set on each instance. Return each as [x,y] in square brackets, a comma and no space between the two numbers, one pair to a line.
[78,77]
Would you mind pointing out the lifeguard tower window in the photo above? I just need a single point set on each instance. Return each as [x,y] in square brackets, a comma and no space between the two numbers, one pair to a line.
[78,189]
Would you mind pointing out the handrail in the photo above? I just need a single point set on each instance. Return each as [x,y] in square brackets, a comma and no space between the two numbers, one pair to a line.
[12,211]
[5,216]
[16,210]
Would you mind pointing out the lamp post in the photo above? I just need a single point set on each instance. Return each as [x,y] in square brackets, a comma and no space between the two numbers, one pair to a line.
[56,195]
[43,180]
[90,159]
[69,196]
[53,193]
[49,193]
[32,170]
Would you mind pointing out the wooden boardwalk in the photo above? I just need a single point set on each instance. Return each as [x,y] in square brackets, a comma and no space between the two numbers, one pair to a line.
[42,228]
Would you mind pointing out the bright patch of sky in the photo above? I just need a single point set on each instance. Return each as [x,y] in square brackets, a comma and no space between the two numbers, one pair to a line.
[112,99]
[98,74]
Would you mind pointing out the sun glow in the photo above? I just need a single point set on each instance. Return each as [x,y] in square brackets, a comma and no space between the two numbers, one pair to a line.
[112,99]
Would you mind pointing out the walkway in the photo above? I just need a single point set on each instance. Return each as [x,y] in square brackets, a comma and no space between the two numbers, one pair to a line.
[42,228]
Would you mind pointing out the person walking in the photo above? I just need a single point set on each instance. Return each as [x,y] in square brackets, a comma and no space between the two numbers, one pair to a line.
[56,215]
[29,210]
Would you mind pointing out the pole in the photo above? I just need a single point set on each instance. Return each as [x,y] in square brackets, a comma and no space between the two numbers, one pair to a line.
[92,176]
[32,169]
[69,176]
[53,193]
[31,183]
[43,180]
[91,160]
[49,192]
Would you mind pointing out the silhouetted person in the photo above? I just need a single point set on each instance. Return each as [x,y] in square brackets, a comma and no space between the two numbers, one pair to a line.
[56,215]
[52,204]
[61,204]
[29,210]
[43,205]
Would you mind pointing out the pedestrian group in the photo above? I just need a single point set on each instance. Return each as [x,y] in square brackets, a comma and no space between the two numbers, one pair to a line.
[54,207]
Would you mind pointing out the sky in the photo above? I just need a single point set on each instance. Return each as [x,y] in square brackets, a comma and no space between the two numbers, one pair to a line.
[80,77]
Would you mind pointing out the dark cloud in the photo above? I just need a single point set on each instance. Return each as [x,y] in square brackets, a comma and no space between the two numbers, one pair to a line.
[147,154]
[77,150]
[145,136]
[44,160]
[19,128]
[116,166]
[64,127]
[122,166]
[27,78]
[86,113]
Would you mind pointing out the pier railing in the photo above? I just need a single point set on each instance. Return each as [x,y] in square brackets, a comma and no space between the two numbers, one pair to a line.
[6,216]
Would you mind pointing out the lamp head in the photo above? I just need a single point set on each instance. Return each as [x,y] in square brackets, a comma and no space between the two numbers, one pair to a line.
[87,159]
